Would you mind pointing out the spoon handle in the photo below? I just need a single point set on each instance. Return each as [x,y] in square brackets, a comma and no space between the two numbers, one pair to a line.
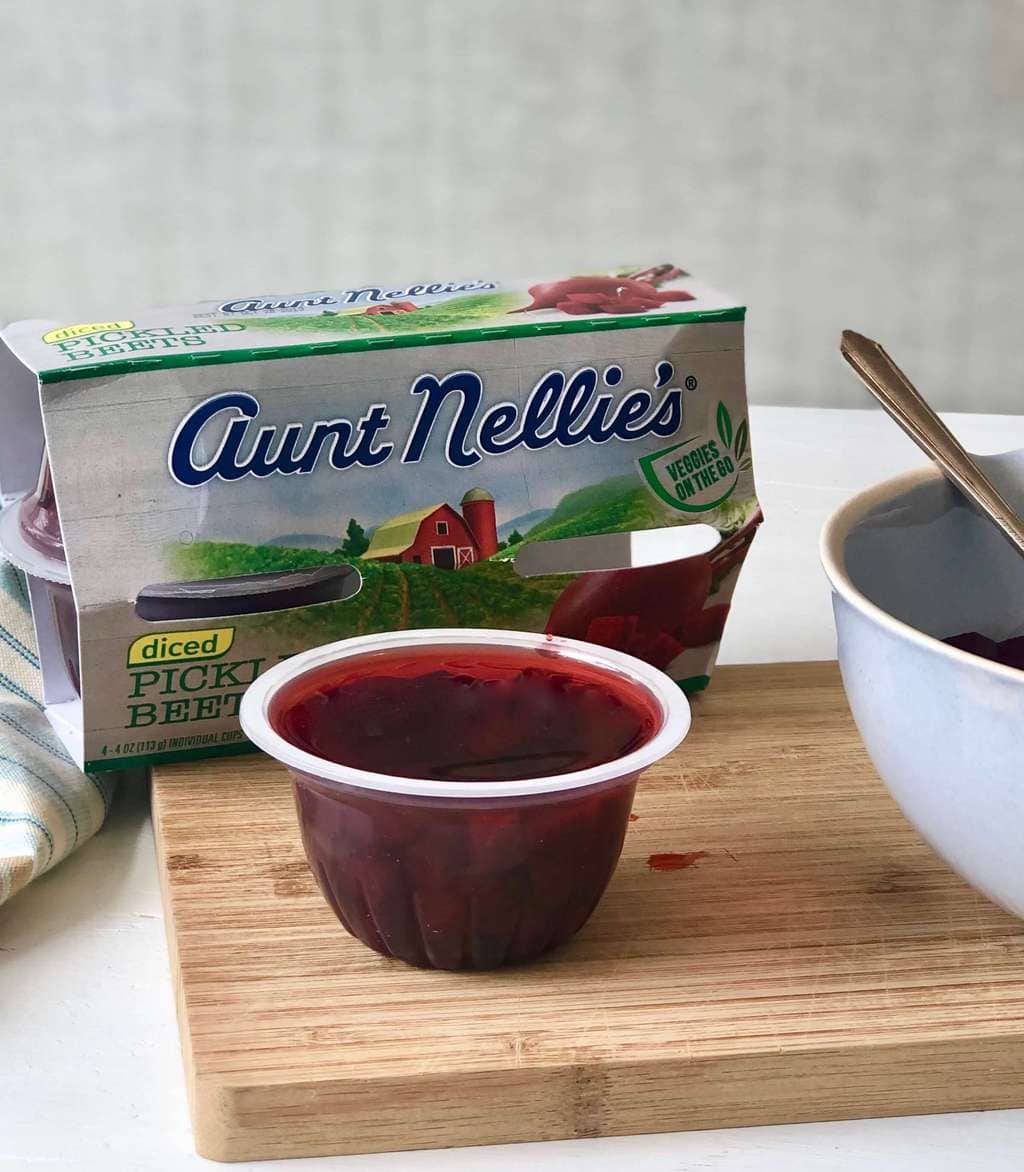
[903,402]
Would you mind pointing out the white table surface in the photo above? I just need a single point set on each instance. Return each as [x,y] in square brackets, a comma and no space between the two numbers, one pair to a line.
[90,1073]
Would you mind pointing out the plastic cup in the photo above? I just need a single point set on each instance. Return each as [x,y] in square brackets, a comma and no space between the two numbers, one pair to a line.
[472,874]
[40,524]
[30,538]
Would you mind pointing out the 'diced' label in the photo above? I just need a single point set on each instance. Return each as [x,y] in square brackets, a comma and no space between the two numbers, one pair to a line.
[700,473]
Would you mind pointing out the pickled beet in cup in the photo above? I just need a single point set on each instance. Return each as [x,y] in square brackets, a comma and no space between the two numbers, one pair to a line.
[31,539]
[463,795]
[40,523]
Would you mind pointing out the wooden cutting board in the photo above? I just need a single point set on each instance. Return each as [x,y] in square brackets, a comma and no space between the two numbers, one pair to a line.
[808,958]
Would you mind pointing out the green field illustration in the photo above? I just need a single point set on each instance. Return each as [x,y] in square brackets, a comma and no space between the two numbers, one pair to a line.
[399,595]
[394,596]
[616,505]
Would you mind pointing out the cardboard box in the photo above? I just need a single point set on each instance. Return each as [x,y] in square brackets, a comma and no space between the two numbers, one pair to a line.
[243,479]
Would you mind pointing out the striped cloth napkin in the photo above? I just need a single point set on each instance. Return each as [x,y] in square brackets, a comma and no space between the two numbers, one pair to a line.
[48,806]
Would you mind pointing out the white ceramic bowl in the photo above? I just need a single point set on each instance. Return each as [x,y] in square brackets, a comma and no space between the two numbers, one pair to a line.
[909,565]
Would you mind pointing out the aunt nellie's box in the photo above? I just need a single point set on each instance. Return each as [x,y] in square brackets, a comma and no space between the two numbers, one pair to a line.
[243,479]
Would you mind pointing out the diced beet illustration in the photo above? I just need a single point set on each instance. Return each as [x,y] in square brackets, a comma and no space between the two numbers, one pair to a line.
[661,597]
[657,648]
[597,294]
[627,633]
[644,611]
[658,274]
[704,627]
[615,631]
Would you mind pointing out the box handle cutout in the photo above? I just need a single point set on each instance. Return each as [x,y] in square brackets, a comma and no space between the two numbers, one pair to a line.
[216,598]
[615,551]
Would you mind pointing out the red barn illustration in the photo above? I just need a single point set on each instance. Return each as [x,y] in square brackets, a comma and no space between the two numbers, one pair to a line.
[439,535]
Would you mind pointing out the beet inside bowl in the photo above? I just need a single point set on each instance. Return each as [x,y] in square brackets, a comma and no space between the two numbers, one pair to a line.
[911,565]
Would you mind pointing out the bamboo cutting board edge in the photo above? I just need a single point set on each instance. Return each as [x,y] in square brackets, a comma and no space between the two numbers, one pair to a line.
[525,1085]
[234,1121]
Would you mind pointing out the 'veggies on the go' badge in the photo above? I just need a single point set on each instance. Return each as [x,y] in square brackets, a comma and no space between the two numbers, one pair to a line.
[700,473]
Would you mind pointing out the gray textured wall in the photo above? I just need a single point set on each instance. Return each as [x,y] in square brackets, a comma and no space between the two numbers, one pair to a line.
[833,163]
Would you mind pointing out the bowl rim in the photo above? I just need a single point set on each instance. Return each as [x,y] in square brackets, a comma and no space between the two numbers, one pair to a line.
[831,549]
[254,714]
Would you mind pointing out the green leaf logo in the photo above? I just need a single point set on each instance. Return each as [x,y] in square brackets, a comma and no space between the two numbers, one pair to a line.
[740,446]
[724,426]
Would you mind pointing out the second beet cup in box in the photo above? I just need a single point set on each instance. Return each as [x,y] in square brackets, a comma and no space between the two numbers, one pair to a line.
[463,795]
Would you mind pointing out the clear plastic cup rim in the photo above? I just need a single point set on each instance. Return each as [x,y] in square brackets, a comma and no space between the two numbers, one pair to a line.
[23,555]
[254,714]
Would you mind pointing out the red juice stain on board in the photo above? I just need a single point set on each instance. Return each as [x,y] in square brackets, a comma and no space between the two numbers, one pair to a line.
[634,817]
[675,861]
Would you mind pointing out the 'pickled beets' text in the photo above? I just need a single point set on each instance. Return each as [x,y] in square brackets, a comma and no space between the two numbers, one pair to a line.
[559,410]
[182,694]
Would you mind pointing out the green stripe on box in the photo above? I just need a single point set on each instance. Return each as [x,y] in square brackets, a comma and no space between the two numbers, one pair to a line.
[394,342]
[694,684]
[102,764]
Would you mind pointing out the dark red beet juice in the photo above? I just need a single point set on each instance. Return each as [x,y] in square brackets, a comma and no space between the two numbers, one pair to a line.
[1009,652]
[458,714]
[464,882]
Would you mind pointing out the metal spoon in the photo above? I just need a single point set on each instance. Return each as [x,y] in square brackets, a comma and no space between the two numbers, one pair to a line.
[903,402]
